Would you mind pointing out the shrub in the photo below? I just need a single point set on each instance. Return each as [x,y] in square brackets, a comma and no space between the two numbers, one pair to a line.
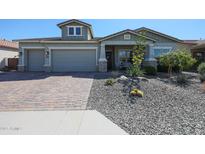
[4,69]
[150,70]
[180,58]
[134,71]
[201,70]
[137,92]
[202,78]
[182,79]
[109,82]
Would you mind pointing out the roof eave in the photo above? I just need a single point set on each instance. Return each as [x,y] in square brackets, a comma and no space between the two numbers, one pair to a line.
[122,32]
[9,47]
[30,41]
[158,33]
[72,20]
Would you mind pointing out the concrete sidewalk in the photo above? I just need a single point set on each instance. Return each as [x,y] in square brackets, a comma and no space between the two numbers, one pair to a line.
[85,122]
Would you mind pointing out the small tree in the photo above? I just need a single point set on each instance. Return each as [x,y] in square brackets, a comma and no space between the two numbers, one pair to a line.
[180,58]
[137,55]
[168,61]
[138,50]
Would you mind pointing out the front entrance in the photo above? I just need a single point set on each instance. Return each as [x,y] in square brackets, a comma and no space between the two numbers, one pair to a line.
[109,59]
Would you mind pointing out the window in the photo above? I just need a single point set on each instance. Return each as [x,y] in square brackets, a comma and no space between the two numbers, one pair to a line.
[71,30]
[160,51]
[78,30]
[74,31]
[125,58]
[127,37]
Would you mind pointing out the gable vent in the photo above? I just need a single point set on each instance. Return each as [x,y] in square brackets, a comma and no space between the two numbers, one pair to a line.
[127,37]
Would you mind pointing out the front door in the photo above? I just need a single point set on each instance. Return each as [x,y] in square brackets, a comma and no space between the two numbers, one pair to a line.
[109,60]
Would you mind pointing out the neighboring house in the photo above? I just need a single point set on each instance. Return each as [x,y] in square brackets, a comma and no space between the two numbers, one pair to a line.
[198,50]
[78,50]
[7,50]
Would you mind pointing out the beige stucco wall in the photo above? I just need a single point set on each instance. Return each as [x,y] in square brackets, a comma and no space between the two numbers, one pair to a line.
[6,53]
[50,45]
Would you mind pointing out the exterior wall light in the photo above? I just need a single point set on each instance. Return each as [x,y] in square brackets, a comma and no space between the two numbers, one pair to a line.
[20,54]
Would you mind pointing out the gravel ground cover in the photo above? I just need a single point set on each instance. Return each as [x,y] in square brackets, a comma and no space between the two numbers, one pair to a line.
[164,109]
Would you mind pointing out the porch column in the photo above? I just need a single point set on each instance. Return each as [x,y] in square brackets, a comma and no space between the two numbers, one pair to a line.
[21,64]
[151,60]
[151,53]
[102,60]
[47,64]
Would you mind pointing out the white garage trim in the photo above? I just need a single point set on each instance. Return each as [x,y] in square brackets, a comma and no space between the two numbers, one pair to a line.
[23,49]
[53,48]
[56,48]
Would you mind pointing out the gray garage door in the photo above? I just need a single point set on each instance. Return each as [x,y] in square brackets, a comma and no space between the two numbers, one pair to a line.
[35,60]
[74,60]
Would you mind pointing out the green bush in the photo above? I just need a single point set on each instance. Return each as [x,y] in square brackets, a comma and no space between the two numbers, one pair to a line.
[182,79]
[179,58]
[201,70]
[202,78]
[150,70]
[109,82]
[134,71]
[4,69]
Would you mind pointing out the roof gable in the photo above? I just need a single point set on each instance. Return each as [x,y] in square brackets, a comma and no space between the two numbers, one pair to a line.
[158,33]
[74,21]
[124,32]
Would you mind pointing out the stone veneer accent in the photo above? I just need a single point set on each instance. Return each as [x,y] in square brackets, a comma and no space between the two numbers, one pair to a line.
[102,66]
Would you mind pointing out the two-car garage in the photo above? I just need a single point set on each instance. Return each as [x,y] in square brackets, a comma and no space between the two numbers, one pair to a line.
[74,60]
[64,60]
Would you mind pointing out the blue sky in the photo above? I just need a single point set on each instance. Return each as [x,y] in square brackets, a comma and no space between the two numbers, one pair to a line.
[182,29]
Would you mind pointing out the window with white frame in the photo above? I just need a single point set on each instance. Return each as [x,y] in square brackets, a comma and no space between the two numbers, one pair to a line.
[74,31]
[125,57]
[158,51]
[127,37]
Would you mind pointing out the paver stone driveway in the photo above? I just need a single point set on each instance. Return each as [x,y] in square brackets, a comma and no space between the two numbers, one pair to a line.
[44,91]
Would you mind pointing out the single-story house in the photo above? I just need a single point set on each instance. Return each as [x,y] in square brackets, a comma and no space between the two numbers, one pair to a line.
[77,49]
[8,49]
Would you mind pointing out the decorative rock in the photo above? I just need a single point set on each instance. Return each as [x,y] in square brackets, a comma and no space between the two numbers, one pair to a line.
[143,79]
[122,77]
[162,102]
[190,74]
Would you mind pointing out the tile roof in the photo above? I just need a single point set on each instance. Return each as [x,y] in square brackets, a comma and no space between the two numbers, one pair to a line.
[8,44]
[200,44]
[190,41]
